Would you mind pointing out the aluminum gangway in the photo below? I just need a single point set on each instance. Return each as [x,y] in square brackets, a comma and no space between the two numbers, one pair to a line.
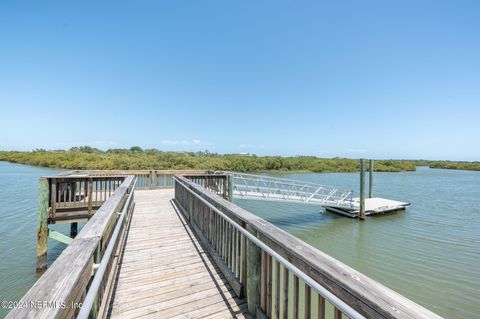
[343,201]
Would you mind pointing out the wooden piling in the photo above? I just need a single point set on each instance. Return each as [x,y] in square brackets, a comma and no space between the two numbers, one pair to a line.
[73,229]
[42,226]
[370,179]
[254,270]
[362,189]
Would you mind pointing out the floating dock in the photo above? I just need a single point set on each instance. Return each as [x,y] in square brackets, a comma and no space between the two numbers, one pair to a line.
[373,206]
[334,199]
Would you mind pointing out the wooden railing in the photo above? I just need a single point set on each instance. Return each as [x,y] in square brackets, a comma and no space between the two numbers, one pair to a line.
[146,179]
[219,184]
[61,290]
[278,273]
[80,194]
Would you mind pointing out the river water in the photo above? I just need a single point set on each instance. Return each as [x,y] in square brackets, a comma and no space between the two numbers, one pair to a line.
[429,253]
[18,211]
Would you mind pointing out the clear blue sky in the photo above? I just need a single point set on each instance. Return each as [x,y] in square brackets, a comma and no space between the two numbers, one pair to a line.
[382,79]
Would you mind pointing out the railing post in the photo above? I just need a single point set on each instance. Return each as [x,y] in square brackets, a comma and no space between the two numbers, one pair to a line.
[362,189]
[230,187]
[42,227]
[90,195]
[190,206]
[254,263]
[153,179]
[224,189]
[370,180]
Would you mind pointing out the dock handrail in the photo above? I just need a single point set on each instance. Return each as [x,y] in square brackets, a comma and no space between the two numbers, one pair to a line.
[98,278]
[61,290]
[338,304]
[251,253]
[271,188]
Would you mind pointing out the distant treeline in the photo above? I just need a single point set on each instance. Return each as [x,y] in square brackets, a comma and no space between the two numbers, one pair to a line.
[86,157]
[472,166]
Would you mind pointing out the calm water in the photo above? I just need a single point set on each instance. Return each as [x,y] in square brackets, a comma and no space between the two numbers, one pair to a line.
[430,253]
[18,211]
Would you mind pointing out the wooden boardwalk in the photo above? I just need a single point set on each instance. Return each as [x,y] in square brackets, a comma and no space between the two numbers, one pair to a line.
[164,271]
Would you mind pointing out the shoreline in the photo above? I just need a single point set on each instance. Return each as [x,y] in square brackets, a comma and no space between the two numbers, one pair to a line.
[279,172]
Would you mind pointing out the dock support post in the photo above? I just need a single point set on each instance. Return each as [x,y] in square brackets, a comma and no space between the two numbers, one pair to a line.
[73,229]
[370,179]
[362,189]
[254,263]
[42,226]
[230,187]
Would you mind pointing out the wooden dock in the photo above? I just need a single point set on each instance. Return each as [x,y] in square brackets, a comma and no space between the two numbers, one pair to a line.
[165,244]
[165,271]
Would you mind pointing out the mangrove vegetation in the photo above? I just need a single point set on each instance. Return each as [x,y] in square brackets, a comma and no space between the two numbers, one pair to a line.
[86,157]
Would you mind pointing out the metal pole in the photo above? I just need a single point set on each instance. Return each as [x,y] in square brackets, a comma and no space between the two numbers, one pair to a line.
[370,180]
[362,189]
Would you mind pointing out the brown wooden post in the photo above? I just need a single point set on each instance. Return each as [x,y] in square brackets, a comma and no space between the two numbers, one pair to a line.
[42,226]
[254,269]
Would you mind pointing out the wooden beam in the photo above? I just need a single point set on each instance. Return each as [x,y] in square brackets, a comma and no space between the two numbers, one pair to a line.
[59,237]
[42,226]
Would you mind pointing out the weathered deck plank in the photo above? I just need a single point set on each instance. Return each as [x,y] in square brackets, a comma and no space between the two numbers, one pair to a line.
[164,270]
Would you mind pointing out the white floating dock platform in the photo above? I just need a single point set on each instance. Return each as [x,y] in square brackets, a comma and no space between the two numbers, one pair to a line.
[373,206]
[268,188]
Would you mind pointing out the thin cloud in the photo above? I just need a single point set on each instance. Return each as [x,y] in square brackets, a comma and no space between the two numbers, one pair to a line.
[193,142]
[356,150]
[250,146]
